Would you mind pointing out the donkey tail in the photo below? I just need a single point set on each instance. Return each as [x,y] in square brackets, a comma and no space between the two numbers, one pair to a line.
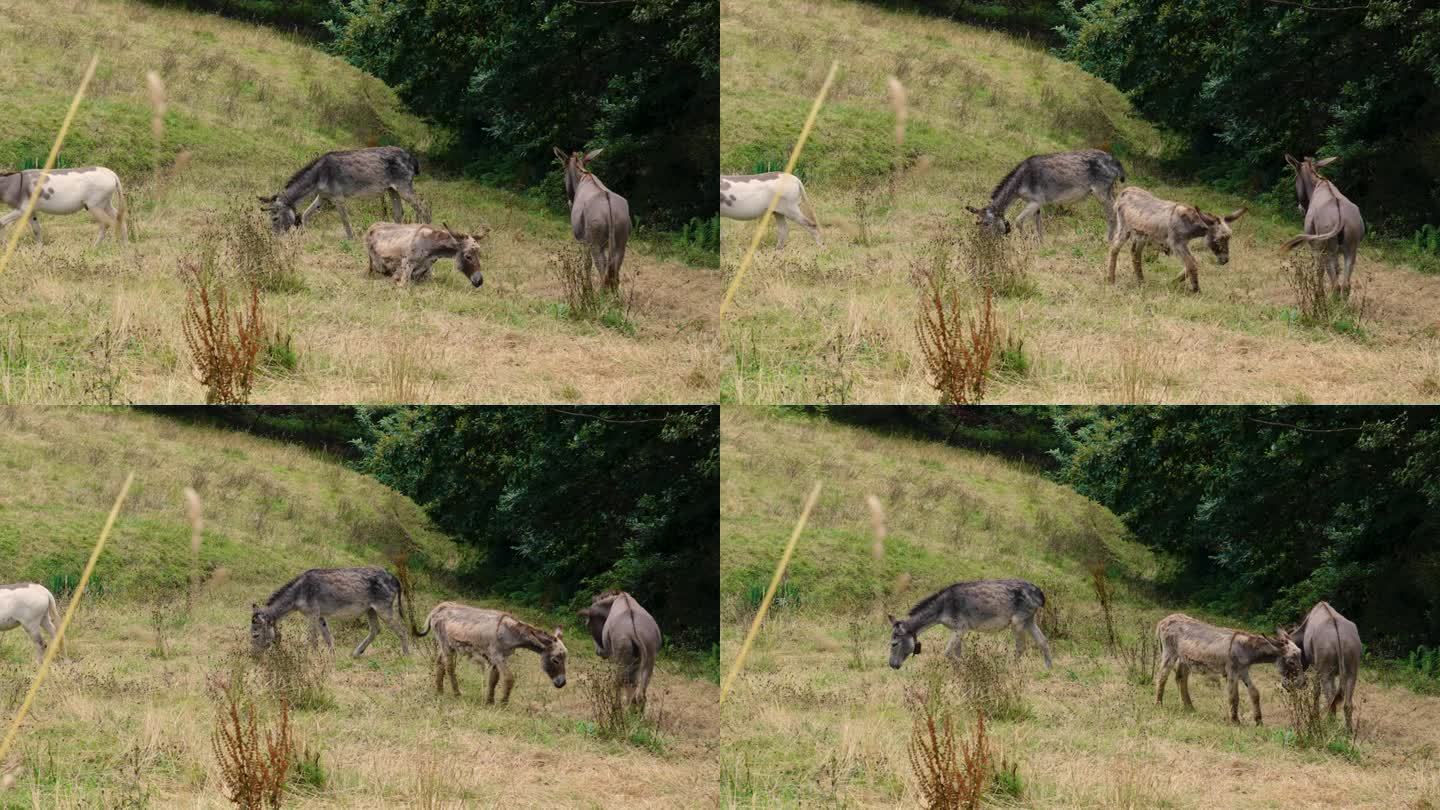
[414,163]
[805,207]
[54,613]
[121,212]
[406,603]
[1319,237]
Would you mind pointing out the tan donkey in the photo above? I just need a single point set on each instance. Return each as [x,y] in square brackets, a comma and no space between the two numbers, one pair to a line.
[1188,645]
[491,637]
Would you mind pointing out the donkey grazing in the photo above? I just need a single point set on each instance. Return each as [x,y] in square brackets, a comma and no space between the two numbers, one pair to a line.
[1142,216]
[339,176]
[67,191]
[598,216]
[625,631]
[1333,224]
[490,636]
[986,605]
[32,607]
[406,252]
[746,196]
[332,593]
[1330,645]
[1061,177]
[1188,644]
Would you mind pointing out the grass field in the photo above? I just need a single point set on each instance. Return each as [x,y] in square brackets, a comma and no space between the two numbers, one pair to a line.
[819,719]
[126,719]
[247,107]
[837,323]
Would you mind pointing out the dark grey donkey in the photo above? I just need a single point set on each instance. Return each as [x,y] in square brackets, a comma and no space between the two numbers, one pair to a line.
[339,176]
[599,217]
[626,632]
[333,593]
[1333,225]
[1061,177]
[1330,646]
[987,606]
[1188,645]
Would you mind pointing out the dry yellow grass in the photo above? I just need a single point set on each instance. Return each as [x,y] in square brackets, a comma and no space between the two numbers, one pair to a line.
[807,726]
[245,108]
[837,323]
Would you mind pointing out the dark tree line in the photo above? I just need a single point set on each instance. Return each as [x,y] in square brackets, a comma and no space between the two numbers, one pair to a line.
[1270,509]
[554,504]
[1245,81]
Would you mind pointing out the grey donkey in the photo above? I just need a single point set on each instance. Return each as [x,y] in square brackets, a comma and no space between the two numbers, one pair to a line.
[625,632]
[1330,647]
[1060,177]
[333,593]
[1333,225]
[1188,645]
[1145,218]
[599,217]
[339,176]
[986,606]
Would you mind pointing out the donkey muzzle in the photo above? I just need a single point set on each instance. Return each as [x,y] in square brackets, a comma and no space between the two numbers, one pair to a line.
[477,280]
[558,680]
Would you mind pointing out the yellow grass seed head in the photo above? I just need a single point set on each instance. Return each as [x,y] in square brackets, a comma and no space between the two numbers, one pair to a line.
[156,86]
[877,521]
[192,510]
[897,103]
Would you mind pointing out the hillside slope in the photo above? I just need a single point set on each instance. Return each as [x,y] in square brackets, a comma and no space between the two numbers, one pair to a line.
[247,106]
[836,323]
[819,718]
[126,717]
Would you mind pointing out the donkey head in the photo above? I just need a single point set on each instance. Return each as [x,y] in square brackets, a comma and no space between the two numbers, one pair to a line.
[1306,176]
[552,659]
[1217,233]
[576,165]
[282,215]
[1291,662]
[467,253]
[903,642]
[263,629]
[595,617]
[990,220]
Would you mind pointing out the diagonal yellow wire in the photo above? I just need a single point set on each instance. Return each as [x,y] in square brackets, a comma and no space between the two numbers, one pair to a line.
[775,198]
[769,593]
[59,638]
[19,224]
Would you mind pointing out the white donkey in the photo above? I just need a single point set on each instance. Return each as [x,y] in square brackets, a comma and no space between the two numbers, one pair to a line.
[67,191]
[30,606]
[746,196]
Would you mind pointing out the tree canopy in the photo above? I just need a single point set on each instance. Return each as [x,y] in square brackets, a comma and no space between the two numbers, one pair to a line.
[1244,82]
[556,504]
[1270,509]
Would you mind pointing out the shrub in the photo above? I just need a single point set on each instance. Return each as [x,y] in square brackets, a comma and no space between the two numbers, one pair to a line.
[223,347]
[950,773]
[254,773]
[957,345]
[1141,658]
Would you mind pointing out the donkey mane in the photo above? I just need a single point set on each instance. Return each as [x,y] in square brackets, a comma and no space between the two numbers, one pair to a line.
[284,590]
[1007,179]
[931,599]
[529,632]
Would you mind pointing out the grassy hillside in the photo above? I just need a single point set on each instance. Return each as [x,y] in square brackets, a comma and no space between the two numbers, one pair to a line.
[126,719]
[247,107]
[819,718]
[837,323]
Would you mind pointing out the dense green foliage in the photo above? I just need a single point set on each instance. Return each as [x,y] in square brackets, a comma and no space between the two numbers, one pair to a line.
[640,79]
[305,16]
[1243,82]
[556,504]
[1270,509]
[1037,19]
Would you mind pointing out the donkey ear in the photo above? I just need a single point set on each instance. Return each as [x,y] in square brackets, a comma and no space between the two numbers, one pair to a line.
[891,619]
[593,154]
[559,634]
[1234,215]
[972,209]
[254,608]
[1320,164]
[560,155]
[1282,634]
[1292,161]
[917,647]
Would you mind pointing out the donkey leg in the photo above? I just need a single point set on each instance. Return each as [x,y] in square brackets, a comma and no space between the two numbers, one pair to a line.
[1349,270]
[389,617]
[397,211]
[374,631]
[325,631]
[344,218]
[310,211]
[1182,680]
[1232,686]
[954,647]
[494,678]
[1110,261]
[1167,663]
[105,217]
[782,229]
[1137,260]
[39,640]
[454,682]
[35,228]
[1347,689]
[422,211]
[1332,695]
[1040,640]
[440,665]
[1254,696]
